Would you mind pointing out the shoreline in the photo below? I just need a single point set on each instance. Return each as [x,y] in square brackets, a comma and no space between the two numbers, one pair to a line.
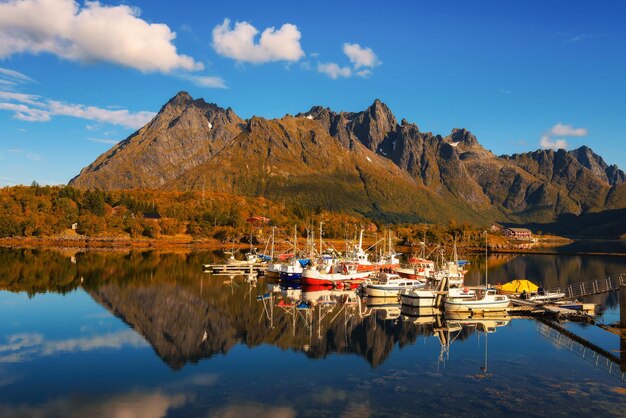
[190,244]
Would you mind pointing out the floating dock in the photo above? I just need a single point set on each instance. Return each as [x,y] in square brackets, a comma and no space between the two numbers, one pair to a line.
[234,269]
[583,312]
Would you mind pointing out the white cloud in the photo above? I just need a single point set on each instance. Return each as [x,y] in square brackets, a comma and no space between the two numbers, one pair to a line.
[22,347]
[205,81]
[154,404]
[29,155]
[580,37]
[91,33]
[30,99]
[549,143]
[567,130]
[274,45]
[363,60]
[26,113]
[117,117]
[32,108]
[360,57]
[333,70]
[103,140]
[15,76]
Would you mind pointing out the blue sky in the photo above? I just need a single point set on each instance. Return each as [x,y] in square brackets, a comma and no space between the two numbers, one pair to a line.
[77,77]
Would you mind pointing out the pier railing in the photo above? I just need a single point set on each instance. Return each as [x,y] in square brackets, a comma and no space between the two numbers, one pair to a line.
[577,290]
[606,362]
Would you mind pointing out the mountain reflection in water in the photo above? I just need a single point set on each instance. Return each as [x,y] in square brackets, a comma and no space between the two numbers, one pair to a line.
[303,349]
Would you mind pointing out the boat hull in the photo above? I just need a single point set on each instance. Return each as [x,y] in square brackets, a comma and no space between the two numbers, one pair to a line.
[315,278]
[419,299]
[476,306]
[290,276]
[375,292]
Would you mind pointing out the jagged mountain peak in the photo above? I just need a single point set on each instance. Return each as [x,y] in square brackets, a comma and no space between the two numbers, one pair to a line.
[183,100]
[363,161]
[589,159]
[182,97]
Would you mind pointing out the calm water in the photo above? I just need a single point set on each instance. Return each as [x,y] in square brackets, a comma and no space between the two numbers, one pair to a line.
[147,334]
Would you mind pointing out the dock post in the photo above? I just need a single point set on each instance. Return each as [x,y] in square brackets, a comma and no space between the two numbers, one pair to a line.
[622,316]
[622,305]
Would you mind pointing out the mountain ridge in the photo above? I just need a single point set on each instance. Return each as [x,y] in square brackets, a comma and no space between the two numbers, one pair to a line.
[361,161]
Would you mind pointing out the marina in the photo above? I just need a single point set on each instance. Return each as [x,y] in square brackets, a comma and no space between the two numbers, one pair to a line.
[213,336]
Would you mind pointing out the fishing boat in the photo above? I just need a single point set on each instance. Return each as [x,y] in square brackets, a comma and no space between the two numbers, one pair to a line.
[433,298]
[453,270]
[293,271]
[484,300]
[417,269]
[338,275]
[387,261]
[389,285]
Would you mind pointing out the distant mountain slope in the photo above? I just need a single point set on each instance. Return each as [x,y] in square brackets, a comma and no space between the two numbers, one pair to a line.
[361,161]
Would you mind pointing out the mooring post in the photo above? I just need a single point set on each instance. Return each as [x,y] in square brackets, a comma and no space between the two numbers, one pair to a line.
[622,316]
[622,305]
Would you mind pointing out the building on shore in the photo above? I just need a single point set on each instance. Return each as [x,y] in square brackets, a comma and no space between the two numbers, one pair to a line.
[518,233]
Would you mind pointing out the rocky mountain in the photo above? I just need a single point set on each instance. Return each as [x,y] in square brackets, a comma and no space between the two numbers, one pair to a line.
[360,161]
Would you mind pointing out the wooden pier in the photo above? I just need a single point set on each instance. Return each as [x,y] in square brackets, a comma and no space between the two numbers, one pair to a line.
[542,310]
[235,269]
[594,287]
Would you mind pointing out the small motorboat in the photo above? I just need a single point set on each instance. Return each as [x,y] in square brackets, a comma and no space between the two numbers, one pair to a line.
[485,300]
[390,285]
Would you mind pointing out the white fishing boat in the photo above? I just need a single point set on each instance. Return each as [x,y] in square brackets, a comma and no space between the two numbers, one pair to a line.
[390,285]
[433,298]
[293,270]
[483,300]
[453,270]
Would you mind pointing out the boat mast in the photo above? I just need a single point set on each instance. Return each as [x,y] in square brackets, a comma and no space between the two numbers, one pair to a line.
[295,241]
[486,265]
[321,223]
[272,249]
[361,240]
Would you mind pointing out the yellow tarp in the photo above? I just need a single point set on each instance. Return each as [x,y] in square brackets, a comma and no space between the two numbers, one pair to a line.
[518,286]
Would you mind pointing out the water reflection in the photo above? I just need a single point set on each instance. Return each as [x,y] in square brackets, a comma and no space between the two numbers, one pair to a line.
[371,356]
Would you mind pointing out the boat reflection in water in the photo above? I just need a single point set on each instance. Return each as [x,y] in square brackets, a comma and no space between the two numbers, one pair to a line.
[110,322]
